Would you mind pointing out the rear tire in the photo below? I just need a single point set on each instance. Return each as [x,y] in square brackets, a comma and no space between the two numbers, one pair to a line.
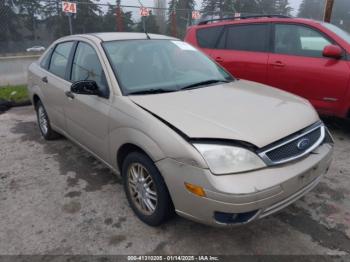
[146,190]
[44,122]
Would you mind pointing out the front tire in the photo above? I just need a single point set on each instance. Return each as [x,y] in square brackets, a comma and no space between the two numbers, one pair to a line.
[145,189]
[44,122]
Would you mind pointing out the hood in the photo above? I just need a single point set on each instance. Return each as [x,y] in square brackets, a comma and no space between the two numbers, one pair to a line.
[241,110]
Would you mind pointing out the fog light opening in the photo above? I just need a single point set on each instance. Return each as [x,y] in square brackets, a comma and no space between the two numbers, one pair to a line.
[197,190]
[234,218]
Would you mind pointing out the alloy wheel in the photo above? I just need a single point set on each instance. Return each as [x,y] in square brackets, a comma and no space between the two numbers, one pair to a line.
[43,121]
[142,189]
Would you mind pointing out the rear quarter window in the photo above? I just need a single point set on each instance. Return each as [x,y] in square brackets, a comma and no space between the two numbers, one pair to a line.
[208,37]
[59,59]
[46,59]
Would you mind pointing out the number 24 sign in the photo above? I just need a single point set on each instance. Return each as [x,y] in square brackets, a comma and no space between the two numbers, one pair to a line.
[69,7]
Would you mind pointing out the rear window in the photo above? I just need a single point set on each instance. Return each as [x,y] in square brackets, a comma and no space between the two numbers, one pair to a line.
[46,60]
[248,37]
[208,37]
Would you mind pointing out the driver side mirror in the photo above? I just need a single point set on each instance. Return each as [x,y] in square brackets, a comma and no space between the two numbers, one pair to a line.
[85,87]
[332,51]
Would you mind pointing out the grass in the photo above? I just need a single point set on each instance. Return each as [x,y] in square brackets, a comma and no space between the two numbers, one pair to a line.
[14,93]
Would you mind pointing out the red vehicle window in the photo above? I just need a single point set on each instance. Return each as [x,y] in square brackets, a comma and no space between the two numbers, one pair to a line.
[299,40]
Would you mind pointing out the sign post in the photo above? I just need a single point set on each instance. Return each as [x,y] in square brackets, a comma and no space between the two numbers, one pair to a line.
[144,12]
[69,8]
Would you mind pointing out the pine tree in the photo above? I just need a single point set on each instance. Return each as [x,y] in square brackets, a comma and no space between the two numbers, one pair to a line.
[184,16]
[179,17]
[29,13]
[110,22]
[9,26]
[282,7]
[218,8]
[88,18]
[312,9]
[171,21]
[55,20]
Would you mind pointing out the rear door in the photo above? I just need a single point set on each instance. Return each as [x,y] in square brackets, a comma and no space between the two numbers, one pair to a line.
[207,38]
[55,83]
[243,50]
[298,66]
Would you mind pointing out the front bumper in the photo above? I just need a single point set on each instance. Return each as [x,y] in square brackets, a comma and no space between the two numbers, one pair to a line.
[265,191]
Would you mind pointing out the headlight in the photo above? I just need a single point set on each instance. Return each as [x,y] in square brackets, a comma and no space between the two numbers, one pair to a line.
[229,159]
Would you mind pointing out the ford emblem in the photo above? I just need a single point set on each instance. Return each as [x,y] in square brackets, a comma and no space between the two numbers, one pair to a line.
[303,143]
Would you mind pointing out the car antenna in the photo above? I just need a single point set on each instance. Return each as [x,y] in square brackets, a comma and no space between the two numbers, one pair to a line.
[148,37]
[144,22]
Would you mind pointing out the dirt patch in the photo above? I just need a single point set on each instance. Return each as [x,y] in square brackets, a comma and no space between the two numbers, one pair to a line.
[71,207]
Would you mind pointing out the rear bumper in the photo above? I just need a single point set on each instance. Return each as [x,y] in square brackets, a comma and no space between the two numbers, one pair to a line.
[265,191]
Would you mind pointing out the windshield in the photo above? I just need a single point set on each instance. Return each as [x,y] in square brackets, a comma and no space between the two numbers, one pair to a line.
[150,66]
[340,32]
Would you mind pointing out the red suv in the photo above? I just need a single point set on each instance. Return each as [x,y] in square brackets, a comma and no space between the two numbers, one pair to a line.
[302,56]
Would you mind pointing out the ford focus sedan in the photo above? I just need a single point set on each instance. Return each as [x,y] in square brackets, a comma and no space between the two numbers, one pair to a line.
[185,135]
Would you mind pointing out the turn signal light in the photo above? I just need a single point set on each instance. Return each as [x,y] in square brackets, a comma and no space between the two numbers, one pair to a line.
[197,190]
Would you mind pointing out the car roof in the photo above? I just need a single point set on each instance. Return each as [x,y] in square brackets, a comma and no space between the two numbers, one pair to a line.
[248,20]
[113,36]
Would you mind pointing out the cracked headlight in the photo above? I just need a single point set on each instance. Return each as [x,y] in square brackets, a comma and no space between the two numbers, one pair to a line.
[223,159]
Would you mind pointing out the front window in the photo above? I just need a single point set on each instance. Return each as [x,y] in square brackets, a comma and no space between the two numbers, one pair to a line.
[146,66]
[299,40]
[87,66]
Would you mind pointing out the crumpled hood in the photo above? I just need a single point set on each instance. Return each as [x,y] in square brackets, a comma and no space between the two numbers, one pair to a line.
[241,110]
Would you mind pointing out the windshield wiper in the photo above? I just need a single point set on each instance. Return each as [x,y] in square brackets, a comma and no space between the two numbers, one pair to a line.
[205,83]
[151,91]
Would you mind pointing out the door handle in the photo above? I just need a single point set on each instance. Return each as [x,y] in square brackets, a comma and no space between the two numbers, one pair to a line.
[278,64]
[219,59]
[69,94]
[44,79]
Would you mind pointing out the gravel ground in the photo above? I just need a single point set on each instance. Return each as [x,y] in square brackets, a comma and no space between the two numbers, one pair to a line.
[57,199]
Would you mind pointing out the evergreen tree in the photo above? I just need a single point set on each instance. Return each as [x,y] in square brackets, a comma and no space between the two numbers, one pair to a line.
[312,9]
[55,20]
[282,7]
[29,13]
[110,22]
[88,18]
[9,26]
[219,8]
[171,21]
[179,17]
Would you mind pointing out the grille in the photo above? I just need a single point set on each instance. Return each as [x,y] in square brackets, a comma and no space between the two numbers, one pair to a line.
[291,149]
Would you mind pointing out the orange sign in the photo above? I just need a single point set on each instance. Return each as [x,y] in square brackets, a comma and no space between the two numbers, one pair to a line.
[69,7]
[196,15]
[144,11]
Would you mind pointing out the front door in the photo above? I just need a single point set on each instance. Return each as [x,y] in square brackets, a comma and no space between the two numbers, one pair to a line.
[87,115]
[298,66]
